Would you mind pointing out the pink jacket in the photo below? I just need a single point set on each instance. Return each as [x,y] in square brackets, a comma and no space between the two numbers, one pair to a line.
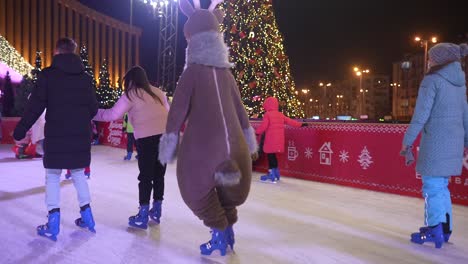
[147,115]
[273,127]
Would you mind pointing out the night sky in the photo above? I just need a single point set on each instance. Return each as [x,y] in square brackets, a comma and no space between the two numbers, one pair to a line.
[324,39]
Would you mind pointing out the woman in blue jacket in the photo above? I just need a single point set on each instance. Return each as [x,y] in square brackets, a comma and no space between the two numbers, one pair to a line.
[441,114]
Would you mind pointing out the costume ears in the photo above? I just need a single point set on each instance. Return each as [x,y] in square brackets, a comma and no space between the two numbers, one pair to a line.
[187,8]
[213,4]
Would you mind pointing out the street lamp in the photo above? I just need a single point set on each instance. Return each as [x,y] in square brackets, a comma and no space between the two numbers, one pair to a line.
[360,73]
[425,44]
[325,97]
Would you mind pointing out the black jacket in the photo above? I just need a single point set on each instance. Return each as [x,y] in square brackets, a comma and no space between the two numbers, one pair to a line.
[66,91]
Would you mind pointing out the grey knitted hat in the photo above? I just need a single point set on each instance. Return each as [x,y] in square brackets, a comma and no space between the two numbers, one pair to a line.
[443,53]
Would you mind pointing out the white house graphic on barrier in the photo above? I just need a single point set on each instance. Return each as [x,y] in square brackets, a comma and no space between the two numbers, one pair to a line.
[326,154]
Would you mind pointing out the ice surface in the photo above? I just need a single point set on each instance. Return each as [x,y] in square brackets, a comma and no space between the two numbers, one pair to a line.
[291,222]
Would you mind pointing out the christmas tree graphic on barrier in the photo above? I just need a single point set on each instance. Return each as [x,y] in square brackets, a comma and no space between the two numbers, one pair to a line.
[262,67]
[365,159]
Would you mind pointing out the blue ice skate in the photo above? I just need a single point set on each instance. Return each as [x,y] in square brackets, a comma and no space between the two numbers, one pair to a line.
[129,156]
[230,236]
[156,212]
[218,241]
[276,173]
[270,177]
[52,228]
[431,234]
[425,229]
[86,220]
[141,219]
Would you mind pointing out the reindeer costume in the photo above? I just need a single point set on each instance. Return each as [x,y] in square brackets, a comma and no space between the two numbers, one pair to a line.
[214,163]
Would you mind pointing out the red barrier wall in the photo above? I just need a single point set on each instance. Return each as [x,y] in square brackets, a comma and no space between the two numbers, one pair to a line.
[363,156]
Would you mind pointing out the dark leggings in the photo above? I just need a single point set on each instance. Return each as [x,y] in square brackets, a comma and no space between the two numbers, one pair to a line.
[131,142]
[151,170]
[272,161]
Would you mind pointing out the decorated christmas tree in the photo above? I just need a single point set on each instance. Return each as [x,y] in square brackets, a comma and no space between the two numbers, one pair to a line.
[105,93]
[37,66]
[262,67]
[85,59]
[22,95]
[8,97]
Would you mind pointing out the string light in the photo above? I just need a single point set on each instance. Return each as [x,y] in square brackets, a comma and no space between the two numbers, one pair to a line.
[106,95]
[13,59]
[262,67]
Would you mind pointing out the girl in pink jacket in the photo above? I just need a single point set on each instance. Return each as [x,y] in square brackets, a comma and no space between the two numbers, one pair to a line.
[273,127]
[147,110]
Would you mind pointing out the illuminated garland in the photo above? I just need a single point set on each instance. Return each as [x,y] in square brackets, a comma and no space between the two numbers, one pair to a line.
[13,59]
[262,67]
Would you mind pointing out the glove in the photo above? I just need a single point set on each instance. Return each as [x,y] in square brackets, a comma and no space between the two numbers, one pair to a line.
[408,154]
[254,156]
[304,125]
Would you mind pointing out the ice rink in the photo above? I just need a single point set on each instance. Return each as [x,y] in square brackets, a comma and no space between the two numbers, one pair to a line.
[294,221]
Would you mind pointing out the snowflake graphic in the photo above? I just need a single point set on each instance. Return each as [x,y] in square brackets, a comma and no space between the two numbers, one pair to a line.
[308,153]
[344,156]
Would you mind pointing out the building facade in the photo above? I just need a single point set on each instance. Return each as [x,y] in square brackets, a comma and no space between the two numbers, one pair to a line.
[35,25]
[407,75]
[406,79]
[345,98]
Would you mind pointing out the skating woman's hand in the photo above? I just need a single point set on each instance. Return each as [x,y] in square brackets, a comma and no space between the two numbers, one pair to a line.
[254,156]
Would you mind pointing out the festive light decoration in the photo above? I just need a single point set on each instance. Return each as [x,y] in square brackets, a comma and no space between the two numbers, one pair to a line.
[38,66]
[85,59]
[13,59]
[105,94]
[262,67]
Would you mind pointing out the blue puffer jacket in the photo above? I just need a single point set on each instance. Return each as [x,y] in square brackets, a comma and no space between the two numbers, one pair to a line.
[442,115]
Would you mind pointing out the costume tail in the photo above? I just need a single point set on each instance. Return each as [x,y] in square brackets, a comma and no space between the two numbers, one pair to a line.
[228,173]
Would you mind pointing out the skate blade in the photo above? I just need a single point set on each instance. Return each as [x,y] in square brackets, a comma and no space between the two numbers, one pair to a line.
[156,220]
[141,226]
[268,181]
[49,236]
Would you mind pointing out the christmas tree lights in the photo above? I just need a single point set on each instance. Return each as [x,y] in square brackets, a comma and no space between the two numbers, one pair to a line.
[106,95]
[38,66]
[13,59]
[262,67]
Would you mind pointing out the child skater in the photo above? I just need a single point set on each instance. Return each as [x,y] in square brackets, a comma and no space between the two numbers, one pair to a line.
[131,143]
[441,114]
[147,109]
[273,127]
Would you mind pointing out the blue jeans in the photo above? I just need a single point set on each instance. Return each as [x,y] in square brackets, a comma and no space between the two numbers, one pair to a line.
[438,202]
[53,187]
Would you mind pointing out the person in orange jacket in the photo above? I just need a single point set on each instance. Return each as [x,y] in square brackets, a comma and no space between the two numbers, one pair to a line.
[273,125]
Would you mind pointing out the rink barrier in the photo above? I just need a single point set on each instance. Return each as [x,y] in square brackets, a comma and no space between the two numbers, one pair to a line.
[364,156]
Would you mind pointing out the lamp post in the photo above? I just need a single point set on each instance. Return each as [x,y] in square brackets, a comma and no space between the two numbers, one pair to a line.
[326,101]
[425,44]
[362,104]
[339,98]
